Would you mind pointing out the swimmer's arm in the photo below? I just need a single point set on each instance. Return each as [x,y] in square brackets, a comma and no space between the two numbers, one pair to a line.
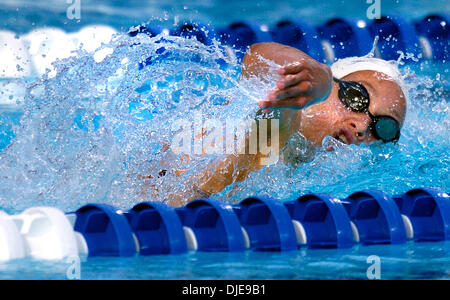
[219,175]
[235,168]
[302,78]
[297,67]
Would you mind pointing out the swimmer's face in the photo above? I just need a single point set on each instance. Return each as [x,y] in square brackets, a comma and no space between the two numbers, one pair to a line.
[332,118]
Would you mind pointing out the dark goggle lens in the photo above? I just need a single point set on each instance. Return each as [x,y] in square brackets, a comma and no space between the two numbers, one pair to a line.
[354,96]
[386,129]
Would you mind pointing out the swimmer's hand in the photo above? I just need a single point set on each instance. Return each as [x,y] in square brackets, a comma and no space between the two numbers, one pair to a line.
[303,83]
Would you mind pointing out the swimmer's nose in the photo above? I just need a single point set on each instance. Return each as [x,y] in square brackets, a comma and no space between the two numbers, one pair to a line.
[360,129]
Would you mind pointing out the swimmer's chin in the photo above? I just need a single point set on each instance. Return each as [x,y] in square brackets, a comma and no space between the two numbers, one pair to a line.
[332,143]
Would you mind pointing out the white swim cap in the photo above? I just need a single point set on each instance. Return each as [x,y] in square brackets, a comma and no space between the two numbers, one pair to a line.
[346,66]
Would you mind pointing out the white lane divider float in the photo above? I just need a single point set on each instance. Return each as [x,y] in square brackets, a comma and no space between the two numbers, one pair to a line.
[192,243]
[11,243]
[81,242]
[15,63]
[47,233]
[15,60]
[191,239]
[91,37]
[300,233]
[46,45]
[408,227]
[43,233]
[33,53]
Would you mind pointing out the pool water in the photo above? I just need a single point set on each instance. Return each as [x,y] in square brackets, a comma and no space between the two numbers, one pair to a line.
[409,261]
[87,133]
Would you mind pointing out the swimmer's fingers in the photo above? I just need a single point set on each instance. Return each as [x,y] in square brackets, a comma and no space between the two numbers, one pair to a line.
[292,103]
[294,67]
[293,91]
[290,80]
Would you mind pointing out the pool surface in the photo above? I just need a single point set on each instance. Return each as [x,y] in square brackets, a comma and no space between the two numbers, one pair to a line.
[86,131]
[410,261]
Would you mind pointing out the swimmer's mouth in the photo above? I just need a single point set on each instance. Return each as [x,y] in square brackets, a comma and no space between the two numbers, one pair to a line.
[344,135]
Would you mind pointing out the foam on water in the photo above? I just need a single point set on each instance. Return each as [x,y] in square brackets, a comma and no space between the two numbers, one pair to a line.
[421,157]
[96,130]
[99,128]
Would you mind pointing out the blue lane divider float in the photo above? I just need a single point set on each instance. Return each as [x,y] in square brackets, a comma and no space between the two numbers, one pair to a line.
[267,223]
[376,216]
[105,230]
[214,224]
[299,35]
[151,31]
[345,37]
[204,33]
[157,228]
[434,36]
[337,38]
[145,29]
[256,223]
[241,35]
[324,219]
[395,34]
[429,213]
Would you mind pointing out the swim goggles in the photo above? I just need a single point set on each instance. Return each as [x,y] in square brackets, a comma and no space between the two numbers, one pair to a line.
[355,96]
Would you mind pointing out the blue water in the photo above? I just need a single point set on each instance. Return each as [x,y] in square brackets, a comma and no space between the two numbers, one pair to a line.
[21,15]
[408,261]
[87,134]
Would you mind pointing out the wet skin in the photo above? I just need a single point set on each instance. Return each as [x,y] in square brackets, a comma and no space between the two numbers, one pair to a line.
[332,118]
[302,79]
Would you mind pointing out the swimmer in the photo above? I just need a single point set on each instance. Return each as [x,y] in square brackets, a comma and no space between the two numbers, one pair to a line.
[356,100]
